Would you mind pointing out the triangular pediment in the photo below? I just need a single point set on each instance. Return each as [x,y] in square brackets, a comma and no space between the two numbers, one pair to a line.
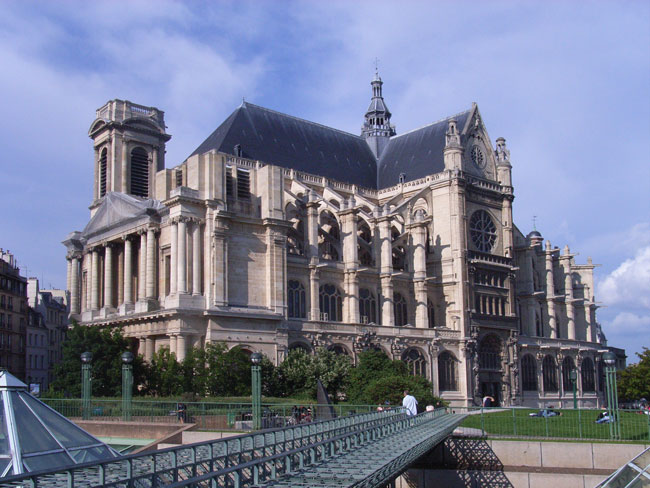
[119,208]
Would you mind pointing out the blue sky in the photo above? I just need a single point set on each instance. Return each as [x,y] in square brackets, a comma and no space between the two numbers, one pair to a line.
[566,83]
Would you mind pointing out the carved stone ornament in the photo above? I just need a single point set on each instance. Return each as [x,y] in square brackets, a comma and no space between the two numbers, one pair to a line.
[398,346]
[365,341]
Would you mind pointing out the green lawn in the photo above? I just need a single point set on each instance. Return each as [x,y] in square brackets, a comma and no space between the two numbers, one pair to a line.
[572,424]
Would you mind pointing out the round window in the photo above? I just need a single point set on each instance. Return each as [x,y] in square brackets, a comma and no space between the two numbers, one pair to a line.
[482,231]
[477,156]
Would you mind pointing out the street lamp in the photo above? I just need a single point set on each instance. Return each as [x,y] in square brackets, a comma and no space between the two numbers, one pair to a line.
[256,359]
[574,376]
[86,359]
[127,384]
[609,358]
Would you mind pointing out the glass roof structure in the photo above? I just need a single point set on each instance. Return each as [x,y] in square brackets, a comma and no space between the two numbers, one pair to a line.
[635,474]
[34,437]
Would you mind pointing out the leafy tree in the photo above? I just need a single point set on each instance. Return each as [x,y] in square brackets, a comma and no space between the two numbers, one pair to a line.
[634,381]
[372,365]
[229,372]
[195,372]
[164,374]
[106,345]
[300,371]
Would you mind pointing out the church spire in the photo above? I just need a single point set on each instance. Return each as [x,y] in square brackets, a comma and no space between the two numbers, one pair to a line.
[377,129]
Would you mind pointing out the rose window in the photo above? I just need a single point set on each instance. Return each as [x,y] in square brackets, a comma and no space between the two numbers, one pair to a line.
[482,231]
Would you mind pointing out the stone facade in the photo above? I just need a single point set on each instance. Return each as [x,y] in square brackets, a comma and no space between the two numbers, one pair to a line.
[13,315]
[259,252]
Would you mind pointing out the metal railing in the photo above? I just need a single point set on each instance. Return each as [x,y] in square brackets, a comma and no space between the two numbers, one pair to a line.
[571,424]
[206,415]
[172,465]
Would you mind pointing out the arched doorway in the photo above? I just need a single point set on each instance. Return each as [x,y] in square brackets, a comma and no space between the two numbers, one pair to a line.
[490,353]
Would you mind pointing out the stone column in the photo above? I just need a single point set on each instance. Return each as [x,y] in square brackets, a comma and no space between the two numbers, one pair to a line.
[418,245]
[182,256]
[149,349]
[151,264]
[173,259]
[568,295]
[74,285]
[69,274]
[312,227]
[173,344]
[196,258]
[128,270]
[433,352]
[314,308]
[108,275]
[181,347]
[591,330]
[350,260]
[386,267]
[98,176]
[220,262]
[550,291]
[142,266]
[94,289]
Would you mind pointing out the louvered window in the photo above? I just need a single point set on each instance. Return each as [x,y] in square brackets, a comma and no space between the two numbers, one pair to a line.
[243,184]
[103,161]
[179,177]
[229,186]
[139,172]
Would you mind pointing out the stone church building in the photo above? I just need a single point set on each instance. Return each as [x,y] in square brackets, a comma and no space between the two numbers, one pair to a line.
[279,233]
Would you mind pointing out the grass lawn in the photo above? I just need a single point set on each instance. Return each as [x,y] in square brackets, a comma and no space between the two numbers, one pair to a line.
[572,424]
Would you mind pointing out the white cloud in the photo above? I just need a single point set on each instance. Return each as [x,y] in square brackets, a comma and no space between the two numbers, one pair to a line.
[627,323]
[629,284]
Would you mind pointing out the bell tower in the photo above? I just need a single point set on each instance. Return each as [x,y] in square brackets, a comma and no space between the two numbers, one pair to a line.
[129,143]
[377,128]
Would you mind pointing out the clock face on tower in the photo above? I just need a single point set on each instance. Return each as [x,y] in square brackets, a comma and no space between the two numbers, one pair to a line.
[477,156]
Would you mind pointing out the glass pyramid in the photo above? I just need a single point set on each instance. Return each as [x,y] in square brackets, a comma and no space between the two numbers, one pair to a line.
[34,437]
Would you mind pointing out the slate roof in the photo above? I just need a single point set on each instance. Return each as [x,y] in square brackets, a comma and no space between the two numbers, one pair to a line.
[417,153]
[290,142]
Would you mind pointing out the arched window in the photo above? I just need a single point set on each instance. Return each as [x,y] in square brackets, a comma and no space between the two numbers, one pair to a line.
[587,375]
[415,362]
[296,300]
[331,304]
[329,237]
[367,306]
[538,325]
[338,349]
[400,310]
[431,314]
[567,367]
[447,372]
[549,373]
[364,244]
[103,162]
[528,373]
[139,172]
[489,353]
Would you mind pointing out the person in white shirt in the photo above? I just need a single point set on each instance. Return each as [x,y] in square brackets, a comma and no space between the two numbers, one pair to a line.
[410,403]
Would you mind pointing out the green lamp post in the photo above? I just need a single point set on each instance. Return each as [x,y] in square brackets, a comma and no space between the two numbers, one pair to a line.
[256,359]
[609,358]
[574,376]
[127,384]
[86,360]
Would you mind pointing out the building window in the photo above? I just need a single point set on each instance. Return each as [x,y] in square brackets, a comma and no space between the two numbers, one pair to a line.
[230,192]
[567,367]
[338,349]
[296,300]
[587,375]
[139,172]
[528,373]
[331,303]
[399,253]
[400,310]
[364,244]
[103,163]
[431,312]
[415,362]
[549,373]
[329,237]
[489,353]
[447,372]
[367,306]
[482,231]
[296,232]
[538,325]
[179,177]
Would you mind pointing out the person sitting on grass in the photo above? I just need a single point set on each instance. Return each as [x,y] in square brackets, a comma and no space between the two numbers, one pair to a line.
[546,412]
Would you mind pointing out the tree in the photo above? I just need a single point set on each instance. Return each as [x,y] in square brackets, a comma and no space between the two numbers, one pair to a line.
[634,381]
[300,371]
[106,345]
[164,374]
